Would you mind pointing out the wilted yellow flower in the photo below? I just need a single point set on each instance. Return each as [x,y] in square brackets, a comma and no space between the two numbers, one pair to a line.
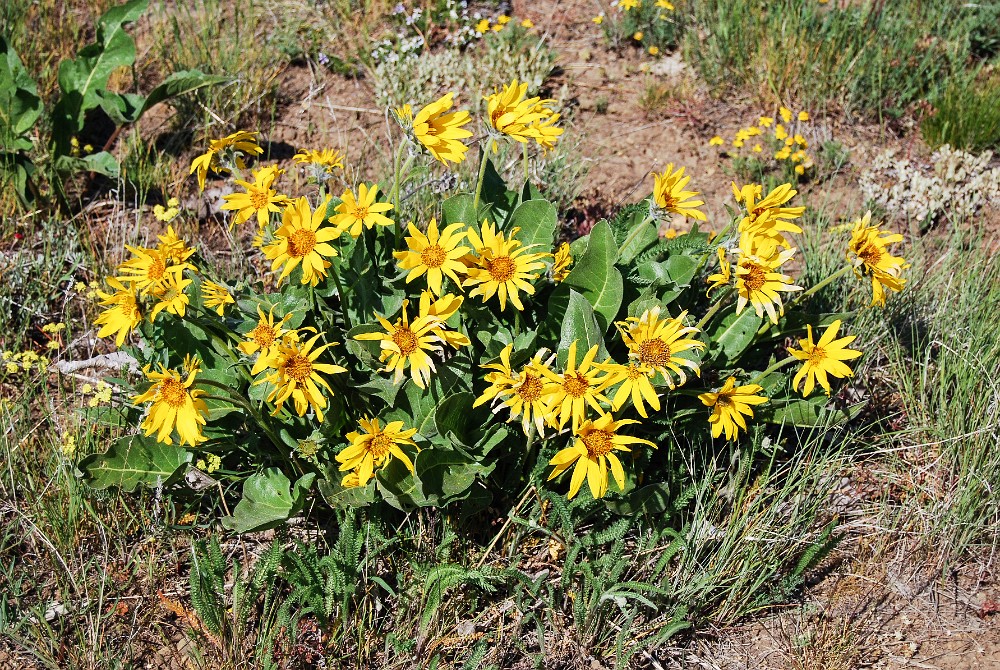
[567,395]
[436,254]
[296,375]
[503,266]
[868,250]
[122,312]
[729,404]
[561,263]
[669,194]
[176,405]
[242,142]
[355,214]
[593,453]
[259,199]
[656,342]
[441,132]
[373,448]
[822,358]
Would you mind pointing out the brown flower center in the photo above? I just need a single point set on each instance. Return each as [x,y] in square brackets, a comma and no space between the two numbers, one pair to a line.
[301,242]
[379,445]
[433,256]
[172,392]
[404,338]
[755,278]
[598,442]
[870,254]
[258,199]
[575,384]
[298,367]
[724,400]
[530,389]
[263,335]
[502,268]
[654,352]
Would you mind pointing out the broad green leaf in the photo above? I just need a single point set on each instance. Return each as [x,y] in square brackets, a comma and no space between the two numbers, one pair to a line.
[338,496]
[495,201]
[269,499]
[579,325]
[642,236]
[132,461]
[815,412]
[179,83]
[595,276]
[20,105]
[733,334]
[398,486]
[538,223]
[102,163]
[444,475]
[459,209]
[452,415]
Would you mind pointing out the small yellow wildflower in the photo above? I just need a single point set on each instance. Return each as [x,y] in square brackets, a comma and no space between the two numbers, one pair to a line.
[822,358]
[716,141]
[729,404]
[373,447]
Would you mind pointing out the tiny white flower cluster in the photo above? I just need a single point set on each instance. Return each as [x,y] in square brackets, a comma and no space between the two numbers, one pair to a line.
[954,187]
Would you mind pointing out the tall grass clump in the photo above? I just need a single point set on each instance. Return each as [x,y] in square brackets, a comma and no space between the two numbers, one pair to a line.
[966,115]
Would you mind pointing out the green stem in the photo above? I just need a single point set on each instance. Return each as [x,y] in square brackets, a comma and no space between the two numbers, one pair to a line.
[524,161]
[343,300]
[394,194]
[777,366]
[714,309]
[479,179]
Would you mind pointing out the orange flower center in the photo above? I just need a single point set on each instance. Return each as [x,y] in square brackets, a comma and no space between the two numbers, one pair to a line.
[654,352]
[379,445]
[301,242]
[404,338]
[575,384]
[172,392]
[755,278]
[433,256]
[264,335]
[360,213]
[157,269]
[817,355]
[502,268]
[870,254]
[669,201]
[298,367]
[258,198]
[598,443]
[634,372]
[530,389]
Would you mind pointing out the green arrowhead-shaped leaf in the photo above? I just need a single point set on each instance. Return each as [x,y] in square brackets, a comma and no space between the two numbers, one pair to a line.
[538,223]
[596,277]
[444,475]
[132,461]
[579,325]
[459,209]
[731,336]
[269,499]
[20,105]
[814,412]
[339,497]
[179,83]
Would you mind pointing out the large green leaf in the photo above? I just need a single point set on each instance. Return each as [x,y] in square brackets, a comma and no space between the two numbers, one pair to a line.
[459,209]
[595,276]
[641,236]
[132,461]
[269,499]
[179,83]
[102,163]
[733,334]
[338,496]
[444,475]
[20,105]
[579,325]
[815,412]
[538,223]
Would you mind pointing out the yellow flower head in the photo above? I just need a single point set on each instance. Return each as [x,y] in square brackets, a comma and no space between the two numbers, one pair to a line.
[441,132]
[328,159]
[373,448]
[665,4]
[599,19]
[868,250]
[527,23]
[629,4]
[561,263]
[216,296]
[716,141]
[301,239]
[170,296]
[803,116]
[593,453]
[503,267]
[723,276]
[443,308]
[437,254]
[356,213]
[669,194]
[768,217]
[568,394]
[176,405]
[729,405]
[239,143]
[758,280]
[173,247]
[521,392]
[121,314]
[149,269]
[483,26]
[785,114]
[822,358]
[259,199]
[512,113]
[405,343]
[296,375]
[634,384]
[265,338]
[656,342]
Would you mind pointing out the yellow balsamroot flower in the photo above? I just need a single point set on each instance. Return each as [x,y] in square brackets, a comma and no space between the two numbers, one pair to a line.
[440,131]
[729,405]
[216,296]
[561,263]
[546,131]
[259,199]
[503,267]
[176,405]
[868,250]
[328,159]
[408,343]
[768,217]
[512,113]
[443,308]
[822,358]
[173,247]
[656,342]
[634,383]
[669,194]
[373,448]
[521,392]
[170,296]
[355,214]
[149,269]
[758,280]
[265,338]
[296,375]
[568,394]
[437,254]
[122,313]
[593,455]
[300,239]
[723,276]
[241,141]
